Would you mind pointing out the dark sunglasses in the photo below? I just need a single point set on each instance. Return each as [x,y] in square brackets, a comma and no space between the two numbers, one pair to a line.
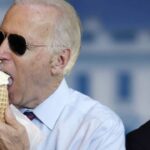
[17,43]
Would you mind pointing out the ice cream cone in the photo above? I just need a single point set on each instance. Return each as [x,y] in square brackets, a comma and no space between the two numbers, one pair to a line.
[3,101]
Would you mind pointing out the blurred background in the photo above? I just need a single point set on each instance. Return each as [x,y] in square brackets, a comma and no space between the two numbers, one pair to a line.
[114,64]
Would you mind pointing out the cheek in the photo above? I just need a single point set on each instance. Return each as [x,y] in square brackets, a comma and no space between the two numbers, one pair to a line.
[34,67]
[40,69]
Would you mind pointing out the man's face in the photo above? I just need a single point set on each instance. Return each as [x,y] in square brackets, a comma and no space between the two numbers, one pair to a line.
[31,72]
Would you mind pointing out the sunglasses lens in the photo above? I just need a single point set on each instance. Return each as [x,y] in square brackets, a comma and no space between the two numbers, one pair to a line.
[17,44]
[2,37]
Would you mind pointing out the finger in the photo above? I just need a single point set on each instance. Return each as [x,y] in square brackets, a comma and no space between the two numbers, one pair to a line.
[10,118]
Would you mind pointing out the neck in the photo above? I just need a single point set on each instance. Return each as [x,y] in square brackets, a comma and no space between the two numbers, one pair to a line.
[43,93]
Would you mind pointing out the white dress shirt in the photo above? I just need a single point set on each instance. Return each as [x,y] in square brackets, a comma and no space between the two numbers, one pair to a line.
[71,120]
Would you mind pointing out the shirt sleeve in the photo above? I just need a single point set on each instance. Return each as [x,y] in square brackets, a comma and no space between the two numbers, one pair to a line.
[109,135]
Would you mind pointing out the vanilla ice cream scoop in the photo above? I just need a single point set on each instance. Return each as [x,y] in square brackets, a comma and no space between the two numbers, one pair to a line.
[3,78]
[3,94]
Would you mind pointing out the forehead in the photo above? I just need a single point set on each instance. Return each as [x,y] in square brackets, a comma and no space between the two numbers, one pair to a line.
[30,19]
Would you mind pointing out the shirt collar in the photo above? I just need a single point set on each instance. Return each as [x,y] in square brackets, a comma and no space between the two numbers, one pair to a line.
[49,111]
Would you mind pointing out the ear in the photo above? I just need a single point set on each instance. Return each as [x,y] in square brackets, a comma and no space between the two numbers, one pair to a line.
[59,61]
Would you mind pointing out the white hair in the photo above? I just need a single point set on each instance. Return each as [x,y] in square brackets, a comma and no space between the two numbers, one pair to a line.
[67,31]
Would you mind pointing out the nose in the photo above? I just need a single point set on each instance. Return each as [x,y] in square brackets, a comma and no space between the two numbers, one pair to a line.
[4,51]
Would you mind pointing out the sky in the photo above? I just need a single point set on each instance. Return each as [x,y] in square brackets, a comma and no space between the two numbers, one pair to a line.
[127,14]
[116,13]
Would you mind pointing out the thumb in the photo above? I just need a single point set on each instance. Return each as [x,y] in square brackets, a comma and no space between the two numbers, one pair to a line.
[10,118]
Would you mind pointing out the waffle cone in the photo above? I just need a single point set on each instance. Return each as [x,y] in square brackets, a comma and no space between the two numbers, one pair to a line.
[3,101]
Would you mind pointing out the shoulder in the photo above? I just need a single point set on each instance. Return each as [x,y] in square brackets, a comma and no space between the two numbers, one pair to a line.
[93,110]
[139,136]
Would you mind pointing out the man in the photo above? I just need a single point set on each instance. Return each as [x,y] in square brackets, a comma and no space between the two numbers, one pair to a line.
[139,139]
[40,42]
